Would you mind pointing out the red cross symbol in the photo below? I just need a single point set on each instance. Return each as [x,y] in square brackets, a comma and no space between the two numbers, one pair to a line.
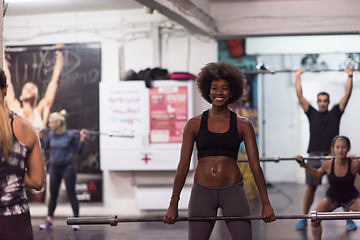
[146,158]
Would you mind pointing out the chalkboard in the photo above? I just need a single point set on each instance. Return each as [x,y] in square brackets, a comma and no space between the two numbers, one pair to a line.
[78,89]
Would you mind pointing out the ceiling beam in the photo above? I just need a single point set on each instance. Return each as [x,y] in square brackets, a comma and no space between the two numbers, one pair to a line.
[275,18]
[185,13]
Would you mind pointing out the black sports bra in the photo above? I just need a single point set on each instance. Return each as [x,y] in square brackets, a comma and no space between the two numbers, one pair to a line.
[218,144]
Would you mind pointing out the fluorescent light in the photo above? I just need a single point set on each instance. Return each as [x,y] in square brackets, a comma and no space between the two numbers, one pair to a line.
[23,1]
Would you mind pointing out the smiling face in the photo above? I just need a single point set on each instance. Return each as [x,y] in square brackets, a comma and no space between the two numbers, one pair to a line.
[220,92]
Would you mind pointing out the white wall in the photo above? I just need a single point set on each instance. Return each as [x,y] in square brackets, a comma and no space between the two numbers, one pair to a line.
[261,18]
[127,42]
[302,44]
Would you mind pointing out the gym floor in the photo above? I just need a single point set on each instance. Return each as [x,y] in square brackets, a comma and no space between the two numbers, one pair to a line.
[286,199]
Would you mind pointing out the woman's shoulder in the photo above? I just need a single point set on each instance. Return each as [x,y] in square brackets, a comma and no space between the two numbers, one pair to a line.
[193,124]
[19,123]
[69,133]
[327,163]
[24,130]
[194,120]
[242,120]
[355,164]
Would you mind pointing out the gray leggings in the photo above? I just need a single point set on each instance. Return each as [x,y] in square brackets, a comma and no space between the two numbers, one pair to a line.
[204,202]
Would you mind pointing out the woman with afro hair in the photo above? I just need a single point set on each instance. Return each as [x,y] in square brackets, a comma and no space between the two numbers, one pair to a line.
[218,181]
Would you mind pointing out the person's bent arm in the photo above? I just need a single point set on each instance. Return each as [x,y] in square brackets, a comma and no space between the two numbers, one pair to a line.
[348,89]
[78,145]
[34,175]
[11,102]
[357,164]
[318,173]
[181,172]
[253,157]
[304,103]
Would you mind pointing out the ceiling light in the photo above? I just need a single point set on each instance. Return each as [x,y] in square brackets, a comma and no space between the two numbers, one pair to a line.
[23,1]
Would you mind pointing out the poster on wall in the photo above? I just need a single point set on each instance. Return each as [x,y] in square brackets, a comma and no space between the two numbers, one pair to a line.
[124,106]
[168,113]
[66,77]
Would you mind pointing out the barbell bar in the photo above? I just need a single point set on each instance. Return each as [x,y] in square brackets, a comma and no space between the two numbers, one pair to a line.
[270,71]
[92,132]
[278,159]
[114,220]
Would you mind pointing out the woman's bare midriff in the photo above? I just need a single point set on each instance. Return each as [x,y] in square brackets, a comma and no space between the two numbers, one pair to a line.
[217,172]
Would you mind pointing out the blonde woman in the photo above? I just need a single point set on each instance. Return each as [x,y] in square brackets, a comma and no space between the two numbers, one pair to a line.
[21,165]
[60,141]
[30,107]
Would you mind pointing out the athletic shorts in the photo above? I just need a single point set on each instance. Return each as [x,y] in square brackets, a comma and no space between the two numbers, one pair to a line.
[340,204]
[311,180]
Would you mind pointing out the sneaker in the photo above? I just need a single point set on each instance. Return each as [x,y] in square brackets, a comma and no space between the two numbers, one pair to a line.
[350,225]
[46,225]
[302,224]
[75,227]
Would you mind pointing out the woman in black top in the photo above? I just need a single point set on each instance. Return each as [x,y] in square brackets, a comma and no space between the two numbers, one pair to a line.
[21,165]
[218,181]
[341,173]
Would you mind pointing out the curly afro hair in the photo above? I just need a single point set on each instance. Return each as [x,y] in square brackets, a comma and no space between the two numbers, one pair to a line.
[214,71]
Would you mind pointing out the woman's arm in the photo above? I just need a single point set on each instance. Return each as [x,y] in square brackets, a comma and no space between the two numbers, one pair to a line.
[182,171]
[348,89]
[304,103]
[34,175]
[318,173]
[47,101]
[78,145]
[11,102]
[248,134]
[355,164]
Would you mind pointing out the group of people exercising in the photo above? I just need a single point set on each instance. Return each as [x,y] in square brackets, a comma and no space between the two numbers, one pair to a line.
[217,134]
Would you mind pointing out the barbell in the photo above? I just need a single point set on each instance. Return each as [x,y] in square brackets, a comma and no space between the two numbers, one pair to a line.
[278,159]
[270,71]
[114,220]
[92,132]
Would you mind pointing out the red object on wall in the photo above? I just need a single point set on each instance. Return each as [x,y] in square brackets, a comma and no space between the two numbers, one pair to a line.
[236,47]
[146,158]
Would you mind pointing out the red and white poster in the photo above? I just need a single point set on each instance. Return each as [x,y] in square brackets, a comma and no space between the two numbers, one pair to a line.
[168,113]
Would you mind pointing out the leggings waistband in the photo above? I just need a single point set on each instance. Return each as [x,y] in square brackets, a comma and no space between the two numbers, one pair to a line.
[240,184]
